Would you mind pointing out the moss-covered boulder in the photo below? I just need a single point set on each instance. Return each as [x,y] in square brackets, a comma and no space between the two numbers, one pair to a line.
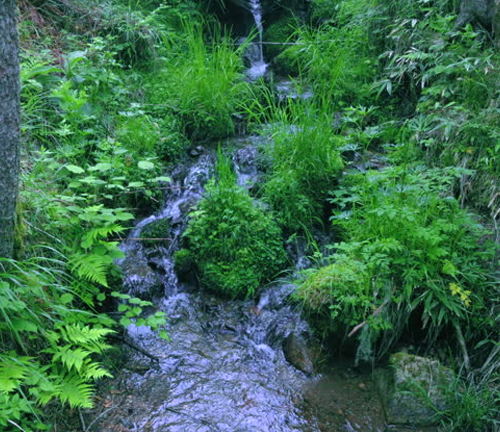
[279,31]
[156,233]
[412,389]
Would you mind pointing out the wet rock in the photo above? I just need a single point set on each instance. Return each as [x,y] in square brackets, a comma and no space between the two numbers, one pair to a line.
[245,166]
[142,281]
[412,389]
[297,353]
[196,151]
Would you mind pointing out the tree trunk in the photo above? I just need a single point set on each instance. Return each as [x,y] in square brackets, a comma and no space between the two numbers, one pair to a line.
[10,114]
[478,11]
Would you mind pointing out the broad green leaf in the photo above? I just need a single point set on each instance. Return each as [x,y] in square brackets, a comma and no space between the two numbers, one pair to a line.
[146,165]
[24,325]
[67,298]
[75,169]
[161,179]
[102,167]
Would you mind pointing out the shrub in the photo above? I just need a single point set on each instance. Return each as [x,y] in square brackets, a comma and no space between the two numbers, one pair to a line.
[138,134]
[235,244]
[409,248]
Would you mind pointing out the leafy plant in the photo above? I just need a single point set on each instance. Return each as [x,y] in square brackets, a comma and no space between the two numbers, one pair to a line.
[50,348]
[235,244]
[408,249]
[203,84]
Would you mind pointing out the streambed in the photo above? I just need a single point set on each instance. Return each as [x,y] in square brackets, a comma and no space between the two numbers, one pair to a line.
[227,366]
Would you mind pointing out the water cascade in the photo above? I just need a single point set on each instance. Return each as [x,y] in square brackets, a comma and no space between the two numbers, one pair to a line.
[230,365]
[226,366]
[255,53]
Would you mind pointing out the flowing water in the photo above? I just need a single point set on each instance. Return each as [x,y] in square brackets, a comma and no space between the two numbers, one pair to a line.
[228,366]
[255,52]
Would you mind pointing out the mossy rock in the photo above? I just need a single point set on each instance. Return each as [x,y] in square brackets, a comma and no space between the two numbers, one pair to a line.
[413,389]
[156,232]
[278,31]
[184,261]
[286,63]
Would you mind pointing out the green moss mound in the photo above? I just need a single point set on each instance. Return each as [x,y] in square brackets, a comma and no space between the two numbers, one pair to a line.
[235,244]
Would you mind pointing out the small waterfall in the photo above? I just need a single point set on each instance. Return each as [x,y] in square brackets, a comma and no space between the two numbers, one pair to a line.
[256,53]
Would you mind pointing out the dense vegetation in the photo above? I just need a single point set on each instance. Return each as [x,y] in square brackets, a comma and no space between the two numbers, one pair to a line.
[395,154]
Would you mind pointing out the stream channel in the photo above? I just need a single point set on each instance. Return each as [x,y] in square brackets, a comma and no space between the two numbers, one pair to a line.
[230,366]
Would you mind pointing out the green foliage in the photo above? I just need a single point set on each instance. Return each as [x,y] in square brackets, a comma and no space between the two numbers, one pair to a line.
[202,83]
[303,157]
[138,134]
[132,313]
[92,160]
[471,406]
[235,244]
[388,77]
[408,248]
[50,349]
[336,59]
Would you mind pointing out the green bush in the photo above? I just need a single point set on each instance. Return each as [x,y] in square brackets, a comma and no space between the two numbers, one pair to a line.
[138,134]
[408,248]
[235,244]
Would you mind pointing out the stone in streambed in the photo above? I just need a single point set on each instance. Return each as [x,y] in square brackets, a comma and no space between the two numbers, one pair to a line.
[412,388]
[297,353]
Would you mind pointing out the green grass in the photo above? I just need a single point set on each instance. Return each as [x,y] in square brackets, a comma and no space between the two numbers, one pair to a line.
[203,83]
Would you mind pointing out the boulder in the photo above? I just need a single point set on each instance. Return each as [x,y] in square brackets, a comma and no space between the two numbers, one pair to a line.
[297,353]
[412,389]
[141,280]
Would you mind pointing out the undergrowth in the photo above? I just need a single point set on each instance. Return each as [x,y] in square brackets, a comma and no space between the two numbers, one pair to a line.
[233,241]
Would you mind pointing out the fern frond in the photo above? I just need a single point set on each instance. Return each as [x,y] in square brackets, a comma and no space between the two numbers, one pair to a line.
[90,267]
[82,335]
[74,390]
[71,357]
[94,371]
[13,370]
[92,235]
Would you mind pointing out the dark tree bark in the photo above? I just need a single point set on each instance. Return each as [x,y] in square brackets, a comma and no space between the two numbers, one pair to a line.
[478,11]
[10,114]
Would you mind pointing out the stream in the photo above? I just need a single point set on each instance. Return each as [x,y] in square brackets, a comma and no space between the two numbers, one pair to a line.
[230,365]
[238,365]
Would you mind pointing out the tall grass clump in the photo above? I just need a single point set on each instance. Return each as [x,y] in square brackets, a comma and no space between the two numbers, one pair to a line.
[203,83]
[303,159]
[336,58]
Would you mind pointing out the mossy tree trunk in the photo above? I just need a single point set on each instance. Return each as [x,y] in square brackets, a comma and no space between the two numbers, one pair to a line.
[483,12]
[9,124]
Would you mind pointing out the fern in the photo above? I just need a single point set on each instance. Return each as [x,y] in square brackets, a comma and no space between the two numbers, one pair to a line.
[87,337]
[93,371]
[75,390]
[13,370]
[100,232]
[72,358]
[93,268]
